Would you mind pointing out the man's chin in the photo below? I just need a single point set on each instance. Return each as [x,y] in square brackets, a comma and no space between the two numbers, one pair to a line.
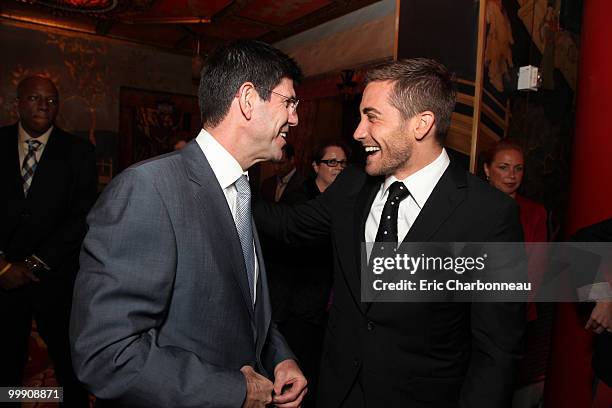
[37,128]
[372,170]
[277,156]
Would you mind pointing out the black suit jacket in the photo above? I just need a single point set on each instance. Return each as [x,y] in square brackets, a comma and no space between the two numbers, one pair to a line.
[268,186]
[602,348]
[411,354]
[50,222]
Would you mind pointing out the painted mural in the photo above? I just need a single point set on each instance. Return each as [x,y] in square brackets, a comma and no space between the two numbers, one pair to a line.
[88,72]
[499,40]
[529,32]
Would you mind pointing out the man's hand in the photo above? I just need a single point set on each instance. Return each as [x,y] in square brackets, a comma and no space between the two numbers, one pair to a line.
[16,276]
[259,389]
[601,317]
[289,385]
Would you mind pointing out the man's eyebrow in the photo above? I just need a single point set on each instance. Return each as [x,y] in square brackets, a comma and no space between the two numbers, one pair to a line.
[370,110]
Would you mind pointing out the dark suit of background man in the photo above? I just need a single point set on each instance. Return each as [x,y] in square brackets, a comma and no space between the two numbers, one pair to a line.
[285,180]
[600,319]
[171,306]
[413,355]
[47,190]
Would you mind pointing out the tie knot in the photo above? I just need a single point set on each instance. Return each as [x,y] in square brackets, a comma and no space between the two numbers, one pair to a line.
[242,185]
[398,191]
[33,144]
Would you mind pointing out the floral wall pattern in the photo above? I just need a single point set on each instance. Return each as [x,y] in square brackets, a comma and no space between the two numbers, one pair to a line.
[88,72]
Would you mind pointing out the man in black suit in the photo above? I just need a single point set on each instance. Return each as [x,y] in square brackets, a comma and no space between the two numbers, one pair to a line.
[48,180]
[600,318]
[286,179]
[408,354]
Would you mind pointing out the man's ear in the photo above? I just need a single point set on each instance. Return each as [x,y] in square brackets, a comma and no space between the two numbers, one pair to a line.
[247,96]
[424,124]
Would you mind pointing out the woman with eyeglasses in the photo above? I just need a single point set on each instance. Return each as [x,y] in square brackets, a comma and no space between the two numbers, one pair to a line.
[329,160]
[311,276]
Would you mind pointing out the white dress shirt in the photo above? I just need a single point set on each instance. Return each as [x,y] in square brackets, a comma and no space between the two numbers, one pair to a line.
[22,146]
[227,170]
[420,185]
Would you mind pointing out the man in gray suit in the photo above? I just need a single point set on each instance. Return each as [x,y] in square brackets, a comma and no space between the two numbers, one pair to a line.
[171,305]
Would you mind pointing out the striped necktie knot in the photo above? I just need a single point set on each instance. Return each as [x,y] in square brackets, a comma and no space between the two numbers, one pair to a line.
[29,164]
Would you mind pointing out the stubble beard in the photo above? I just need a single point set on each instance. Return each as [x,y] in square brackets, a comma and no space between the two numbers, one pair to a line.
[393,157]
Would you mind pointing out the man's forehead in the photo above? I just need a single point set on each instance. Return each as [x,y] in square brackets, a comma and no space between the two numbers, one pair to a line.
[38,85]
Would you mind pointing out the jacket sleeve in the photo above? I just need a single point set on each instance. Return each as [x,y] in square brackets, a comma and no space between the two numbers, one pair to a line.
[121,297]
[302,223]
[275,350]
[66,240]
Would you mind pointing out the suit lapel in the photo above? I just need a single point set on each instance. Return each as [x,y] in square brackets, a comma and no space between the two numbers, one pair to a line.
[362,210]
[263,311]
[210,195]
[10,165]
[445,197]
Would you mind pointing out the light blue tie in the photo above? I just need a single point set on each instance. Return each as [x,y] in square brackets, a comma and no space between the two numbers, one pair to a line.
[245,231]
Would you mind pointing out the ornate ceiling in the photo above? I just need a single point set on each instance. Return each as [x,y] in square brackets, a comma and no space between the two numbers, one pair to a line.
[180,24]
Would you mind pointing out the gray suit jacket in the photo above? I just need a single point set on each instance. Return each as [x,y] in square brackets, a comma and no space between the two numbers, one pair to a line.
[162,316]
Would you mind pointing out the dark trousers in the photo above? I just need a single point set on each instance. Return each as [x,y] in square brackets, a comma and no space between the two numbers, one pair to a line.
[50,308]
[306,341]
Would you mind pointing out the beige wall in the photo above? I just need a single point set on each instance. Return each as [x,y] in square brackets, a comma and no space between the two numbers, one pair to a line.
[350,41]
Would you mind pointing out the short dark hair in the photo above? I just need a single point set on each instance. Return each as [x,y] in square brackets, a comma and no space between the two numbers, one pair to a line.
[420,84]
[504,144]
[231,65]
[319,151]
[36,77]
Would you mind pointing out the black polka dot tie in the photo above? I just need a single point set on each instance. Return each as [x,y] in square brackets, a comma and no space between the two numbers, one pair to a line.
[387,227]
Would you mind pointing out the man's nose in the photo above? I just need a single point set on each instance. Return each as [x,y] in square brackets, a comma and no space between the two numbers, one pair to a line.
[293,118]
[360,132]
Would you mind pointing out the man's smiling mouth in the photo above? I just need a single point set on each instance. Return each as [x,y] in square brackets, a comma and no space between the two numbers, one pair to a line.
[371,149]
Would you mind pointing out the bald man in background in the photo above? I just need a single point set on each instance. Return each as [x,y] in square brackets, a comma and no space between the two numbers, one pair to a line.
[48,182]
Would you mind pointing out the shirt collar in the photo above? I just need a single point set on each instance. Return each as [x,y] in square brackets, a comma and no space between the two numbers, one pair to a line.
[223,164]
[24,136]
[285,179]
[421,183]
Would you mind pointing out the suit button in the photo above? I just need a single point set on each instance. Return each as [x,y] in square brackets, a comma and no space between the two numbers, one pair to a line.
[370,326]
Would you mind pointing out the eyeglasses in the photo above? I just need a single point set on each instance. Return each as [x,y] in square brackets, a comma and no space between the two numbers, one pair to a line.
[334,162]
[291,103]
